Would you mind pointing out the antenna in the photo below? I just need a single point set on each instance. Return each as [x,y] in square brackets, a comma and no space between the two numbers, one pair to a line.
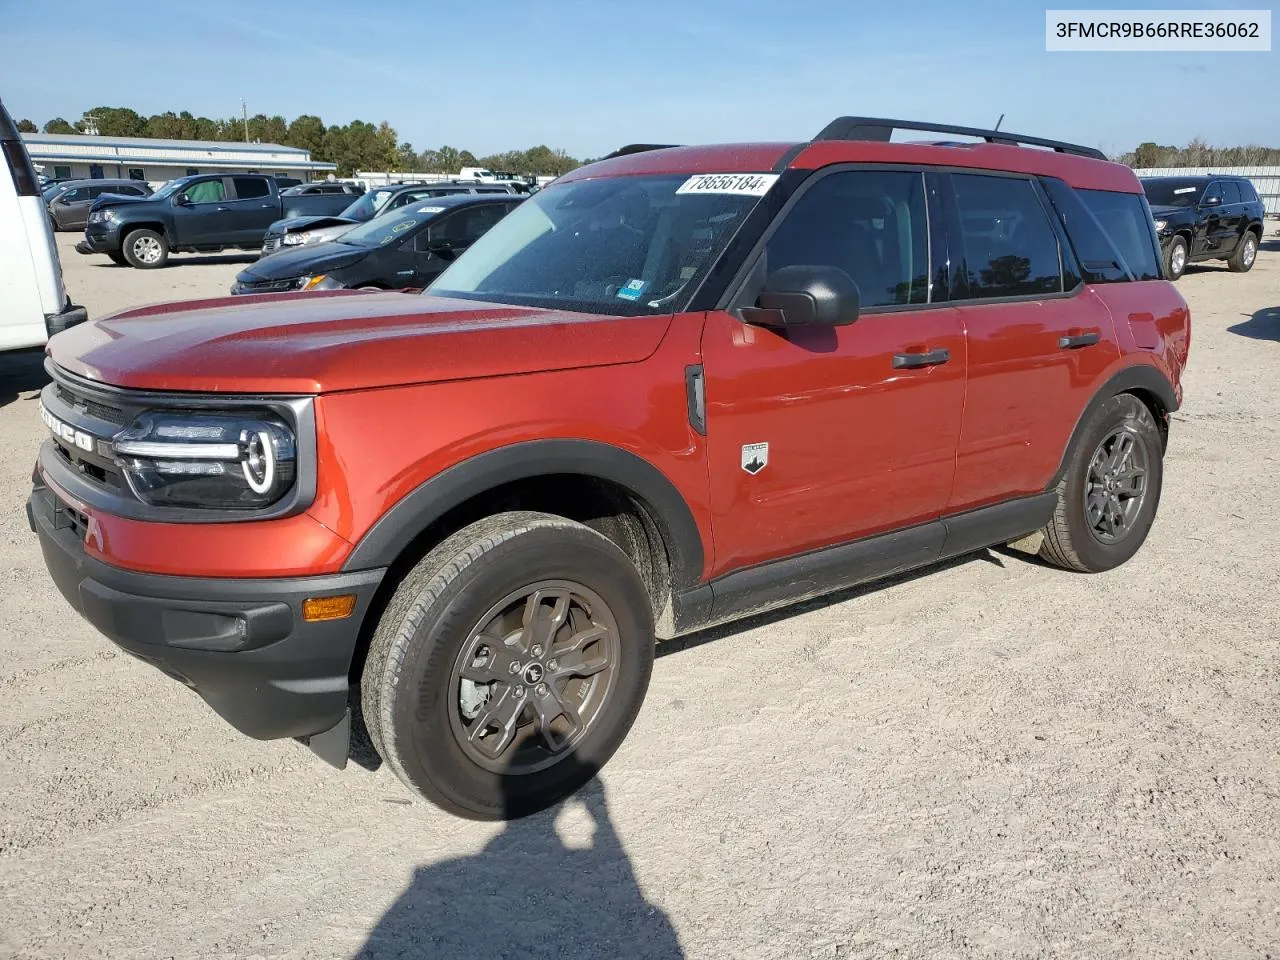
[998,122]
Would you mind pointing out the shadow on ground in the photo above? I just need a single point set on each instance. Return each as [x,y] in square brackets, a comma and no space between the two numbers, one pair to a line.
[21,371]
[1263,325]
[189,260]
[527,894]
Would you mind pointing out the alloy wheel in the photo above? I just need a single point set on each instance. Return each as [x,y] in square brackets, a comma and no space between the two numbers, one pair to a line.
[1116,485]
[147,249]
[1178,261]
[1250,251]
[532,679]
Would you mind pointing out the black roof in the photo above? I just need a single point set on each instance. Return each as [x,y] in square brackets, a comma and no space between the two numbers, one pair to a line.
[1196,177]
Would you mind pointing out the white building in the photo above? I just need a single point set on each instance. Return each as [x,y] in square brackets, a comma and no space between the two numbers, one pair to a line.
[140,158]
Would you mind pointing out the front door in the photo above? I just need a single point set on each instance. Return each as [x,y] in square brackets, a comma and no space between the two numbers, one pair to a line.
[823,435]
[200,220]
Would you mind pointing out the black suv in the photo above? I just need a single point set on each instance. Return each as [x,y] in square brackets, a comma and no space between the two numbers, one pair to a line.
[1205,218]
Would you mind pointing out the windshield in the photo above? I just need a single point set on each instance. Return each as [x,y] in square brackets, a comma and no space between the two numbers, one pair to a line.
[367,205]
[1172,193]
[170,188]
[624,245]
[51,189]
[382,230]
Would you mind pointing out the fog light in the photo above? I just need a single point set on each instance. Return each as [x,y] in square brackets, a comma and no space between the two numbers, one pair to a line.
[316,609]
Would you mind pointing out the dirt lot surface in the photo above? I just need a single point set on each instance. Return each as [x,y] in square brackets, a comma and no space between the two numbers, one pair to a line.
[991,759]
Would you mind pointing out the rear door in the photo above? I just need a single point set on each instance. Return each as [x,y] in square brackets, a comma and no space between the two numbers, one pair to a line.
[64,209]
[1234,216]
[1038,338]
[1213,216]
[253,207]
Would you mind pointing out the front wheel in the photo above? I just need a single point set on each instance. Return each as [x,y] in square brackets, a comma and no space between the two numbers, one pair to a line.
[509,665]
[1175,258]
[146,249]
[1107,498]
[1246,253]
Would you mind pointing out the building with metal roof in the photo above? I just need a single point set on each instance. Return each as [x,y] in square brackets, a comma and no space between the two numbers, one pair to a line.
[141,158]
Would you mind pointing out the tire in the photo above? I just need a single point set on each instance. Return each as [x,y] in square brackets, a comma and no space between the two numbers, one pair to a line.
[1175,264]
[415,701]
[145,249]
[1246,254]
[1075,540]
[117,258]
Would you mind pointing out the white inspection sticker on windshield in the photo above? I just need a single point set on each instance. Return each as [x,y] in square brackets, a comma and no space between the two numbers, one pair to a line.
[741,184]
[1186,190]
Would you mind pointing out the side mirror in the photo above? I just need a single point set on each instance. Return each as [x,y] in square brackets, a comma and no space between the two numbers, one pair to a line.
[1211,202]
[806,296]
[182,200]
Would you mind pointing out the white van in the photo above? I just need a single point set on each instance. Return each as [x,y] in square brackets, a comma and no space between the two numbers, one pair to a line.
[33,304]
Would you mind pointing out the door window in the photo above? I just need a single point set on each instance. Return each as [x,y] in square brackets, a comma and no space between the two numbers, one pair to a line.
[129,191]
[870,224]
[79,193]
[1126,221]
[1230,192]
[1213,190]
[251,188]
[1009,245]
[207,191]
[95,192]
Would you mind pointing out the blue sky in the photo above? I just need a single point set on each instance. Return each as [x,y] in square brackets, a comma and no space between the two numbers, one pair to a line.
[590,75]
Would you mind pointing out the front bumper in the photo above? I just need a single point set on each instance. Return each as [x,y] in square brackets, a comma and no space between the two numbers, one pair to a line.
[102,237]
[242,645]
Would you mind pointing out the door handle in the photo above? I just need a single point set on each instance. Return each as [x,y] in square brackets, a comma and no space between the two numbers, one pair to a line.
[909,361]
[267,206]
[1073,341]
[223,209]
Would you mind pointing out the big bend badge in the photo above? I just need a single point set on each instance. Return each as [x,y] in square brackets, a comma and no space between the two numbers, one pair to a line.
[755,457]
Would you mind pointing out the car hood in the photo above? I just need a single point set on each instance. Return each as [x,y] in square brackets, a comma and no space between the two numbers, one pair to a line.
[116,200]
[294,224]
[301,343]
[1167,213]
[303,261]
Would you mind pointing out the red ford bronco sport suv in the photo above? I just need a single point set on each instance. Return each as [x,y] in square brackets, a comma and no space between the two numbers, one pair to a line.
[677,387]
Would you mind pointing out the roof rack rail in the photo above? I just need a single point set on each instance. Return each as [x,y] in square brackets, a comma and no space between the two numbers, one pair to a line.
[880,128]
[638,148]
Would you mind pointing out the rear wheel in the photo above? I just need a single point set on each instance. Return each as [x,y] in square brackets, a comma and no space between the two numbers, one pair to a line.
[1246,253]
[1175,258]
[145,249]
[1108,497]
[509,665]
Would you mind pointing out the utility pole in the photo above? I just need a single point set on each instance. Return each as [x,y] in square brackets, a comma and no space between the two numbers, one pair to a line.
[245,110]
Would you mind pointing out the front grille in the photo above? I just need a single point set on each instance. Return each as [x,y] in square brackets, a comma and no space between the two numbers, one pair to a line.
[271,286]
[92,407]
[271,245]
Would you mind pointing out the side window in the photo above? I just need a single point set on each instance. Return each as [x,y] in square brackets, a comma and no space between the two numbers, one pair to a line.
[1126,220]
[1212,190]
[870,224]
[96,192]
[207,191]
[251,188]
[130,191]
[72,196]
[1230,192]
[480,219]
[1247,192]
[1009,244]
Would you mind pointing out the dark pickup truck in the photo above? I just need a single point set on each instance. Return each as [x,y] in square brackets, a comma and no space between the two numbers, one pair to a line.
[203,213]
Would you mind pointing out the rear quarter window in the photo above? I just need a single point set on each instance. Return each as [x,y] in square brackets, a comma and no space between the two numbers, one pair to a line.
[1126,220]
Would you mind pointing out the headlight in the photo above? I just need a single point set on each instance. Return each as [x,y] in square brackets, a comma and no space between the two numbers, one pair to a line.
[1161,224]
[319,282]
[297,239]
[102,216]
[227,461]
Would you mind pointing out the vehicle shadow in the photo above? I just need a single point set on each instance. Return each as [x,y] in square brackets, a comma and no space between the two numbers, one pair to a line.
[189,259]
[21,371]
[1263,325]
[528,894]
[1272,245]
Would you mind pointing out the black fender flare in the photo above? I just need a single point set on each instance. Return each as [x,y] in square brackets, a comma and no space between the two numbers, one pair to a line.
[396,529]
[1142,377]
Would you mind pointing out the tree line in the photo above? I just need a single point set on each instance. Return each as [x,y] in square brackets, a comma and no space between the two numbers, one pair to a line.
[354,146]
[1197,153]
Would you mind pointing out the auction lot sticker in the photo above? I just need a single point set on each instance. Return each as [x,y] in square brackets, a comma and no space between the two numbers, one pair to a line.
[740,184]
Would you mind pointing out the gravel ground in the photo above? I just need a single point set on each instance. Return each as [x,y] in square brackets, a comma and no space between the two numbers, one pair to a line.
[993,758]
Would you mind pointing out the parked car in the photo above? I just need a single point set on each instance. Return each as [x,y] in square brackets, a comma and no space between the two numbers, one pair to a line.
[36,305]
[408,247]
[1205,218]
[199,213]
[296,231]
[322,187]
[69,204]
[672,389]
